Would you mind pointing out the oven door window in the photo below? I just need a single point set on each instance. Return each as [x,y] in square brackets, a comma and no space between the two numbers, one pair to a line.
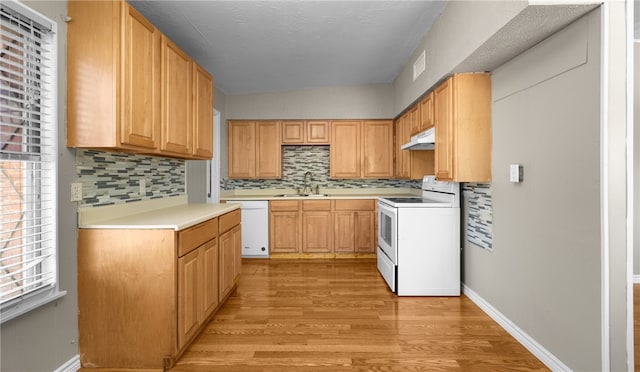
[387,231]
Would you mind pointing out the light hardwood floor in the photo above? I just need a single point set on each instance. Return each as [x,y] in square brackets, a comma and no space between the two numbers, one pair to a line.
[338,315]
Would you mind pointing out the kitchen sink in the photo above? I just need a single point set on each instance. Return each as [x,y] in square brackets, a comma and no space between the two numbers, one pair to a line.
[301,195]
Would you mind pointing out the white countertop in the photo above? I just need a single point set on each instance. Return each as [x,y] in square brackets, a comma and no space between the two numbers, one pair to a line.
[272,194]
[170,213]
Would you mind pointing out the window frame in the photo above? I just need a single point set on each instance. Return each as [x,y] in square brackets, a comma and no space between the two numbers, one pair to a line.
[49,292]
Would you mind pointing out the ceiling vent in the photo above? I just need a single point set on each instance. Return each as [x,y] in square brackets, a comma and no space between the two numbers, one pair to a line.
[419,65]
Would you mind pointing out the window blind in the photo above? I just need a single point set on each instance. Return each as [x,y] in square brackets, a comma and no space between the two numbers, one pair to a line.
[28,137]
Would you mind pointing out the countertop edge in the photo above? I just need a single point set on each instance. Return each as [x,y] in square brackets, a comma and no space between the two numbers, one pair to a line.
[174,218]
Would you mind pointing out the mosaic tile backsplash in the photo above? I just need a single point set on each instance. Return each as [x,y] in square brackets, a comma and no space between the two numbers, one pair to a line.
[112,178]
[480,217]
[297,160]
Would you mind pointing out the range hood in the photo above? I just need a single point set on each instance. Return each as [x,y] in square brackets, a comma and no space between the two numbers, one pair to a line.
[422,141]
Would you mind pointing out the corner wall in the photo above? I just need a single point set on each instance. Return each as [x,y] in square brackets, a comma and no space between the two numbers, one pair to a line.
[544,273]
[46,338]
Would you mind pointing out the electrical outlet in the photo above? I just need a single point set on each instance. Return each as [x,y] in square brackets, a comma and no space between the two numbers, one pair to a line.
[143,186]
[76,191]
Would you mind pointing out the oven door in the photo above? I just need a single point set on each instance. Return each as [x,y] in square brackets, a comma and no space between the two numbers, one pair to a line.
[387,231]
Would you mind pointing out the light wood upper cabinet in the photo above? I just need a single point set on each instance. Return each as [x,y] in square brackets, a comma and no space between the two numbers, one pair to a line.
[268,150]
[345,154]
[426,112]
[317,132]
[293,132]
[116,92]
[411,164]
[361,149]
[242,149]
[300,132]
[202,112]
[463,128]
[377,154]
[414,118]
[254,149]
[403,157]
[177,95]
[140,119]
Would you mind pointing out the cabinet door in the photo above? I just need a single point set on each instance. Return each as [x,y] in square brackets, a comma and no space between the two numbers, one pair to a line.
[443,106]
[177,96]
[268,150]
[188,296]
[397,142]
[316,232]
[210,278]
[284,232]
[344,231]
[226,264]
[140,77]
[202,113]
[345,149]
[377,149]
[403,156]
[237,252]
[426,112]
[364,228]
[293,132]
[414,126]
[317,132]
[242,149]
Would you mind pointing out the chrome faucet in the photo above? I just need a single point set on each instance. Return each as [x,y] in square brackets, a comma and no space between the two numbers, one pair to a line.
[307,184]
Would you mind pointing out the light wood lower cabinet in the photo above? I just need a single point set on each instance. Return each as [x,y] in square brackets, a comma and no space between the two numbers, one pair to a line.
[317,226]
[322,226]
[284,226]
[144,294]
[354,226]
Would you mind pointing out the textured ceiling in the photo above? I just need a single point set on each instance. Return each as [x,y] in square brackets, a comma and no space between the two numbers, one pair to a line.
[269,46]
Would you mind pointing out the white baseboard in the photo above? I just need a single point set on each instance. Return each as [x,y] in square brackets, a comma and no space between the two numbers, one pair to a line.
[636,279]
[71,365]
[527,341]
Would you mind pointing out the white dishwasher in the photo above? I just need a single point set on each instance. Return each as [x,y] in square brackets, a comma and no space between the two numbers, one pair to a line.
[255,227]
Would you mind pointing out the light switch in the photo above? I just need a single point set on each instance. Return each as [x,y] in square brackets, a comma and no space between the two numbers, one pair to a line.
[515,173]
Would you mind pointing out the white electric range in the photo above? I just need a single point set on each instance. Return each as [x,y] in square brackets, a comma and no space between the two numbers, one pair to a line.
[419,241]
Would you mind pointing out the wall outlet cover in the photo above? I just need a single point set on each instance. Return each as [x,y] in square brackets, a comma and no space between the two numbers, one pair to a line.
[76,191]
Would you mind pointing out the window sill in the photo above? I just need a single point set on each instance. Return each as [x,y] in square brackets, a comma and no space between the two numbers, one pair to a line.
[31,302]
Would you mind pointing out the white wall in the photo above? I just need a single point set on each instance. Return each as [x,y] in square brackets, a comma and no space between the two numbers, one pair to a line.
[46,338]
[362,102]
[459,31]
[544,272]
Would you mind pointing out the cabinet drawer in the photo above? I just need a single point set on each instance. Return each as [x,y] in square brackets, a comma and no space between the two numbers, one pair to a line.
[195,236]
[316,205]
[229,220]
[355,205]
[284,205]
